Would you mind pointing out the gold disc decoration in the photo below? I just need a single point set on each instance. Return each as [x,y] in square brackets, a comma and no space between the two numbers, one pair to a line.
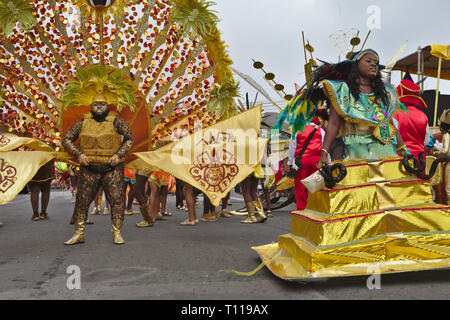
[355,41]
[269,76]
[170,49]
[258,65]
[309,48]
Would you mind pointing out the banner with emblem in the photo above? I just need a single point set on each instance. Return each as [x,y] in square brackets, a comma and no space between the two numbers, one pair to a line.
[214,159]
[17,168]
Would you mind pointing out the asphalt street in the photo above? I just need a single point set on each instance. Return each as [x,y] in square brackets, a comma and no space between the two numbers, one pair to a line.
[168,261]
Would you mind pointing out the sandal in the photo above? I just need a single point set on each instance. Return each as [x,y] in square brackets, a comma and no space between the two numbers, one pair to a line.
[167,214]
[35,217]
[162,218]
[225,214]
[187,222]
[144,224]
[209,218]
[44,216]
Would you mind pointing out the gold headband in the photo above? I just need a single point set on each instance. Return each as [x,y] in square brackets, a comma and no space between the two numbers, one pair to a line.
[99,98]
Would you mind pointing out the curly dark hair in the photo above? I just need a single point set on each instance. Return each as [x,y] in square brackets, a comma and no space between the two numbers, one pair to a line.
[445,127]
[377,85]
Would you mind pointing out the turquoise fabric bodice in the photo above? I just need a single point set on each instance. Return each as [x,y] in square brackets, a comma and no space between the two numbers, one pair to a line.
[367,132]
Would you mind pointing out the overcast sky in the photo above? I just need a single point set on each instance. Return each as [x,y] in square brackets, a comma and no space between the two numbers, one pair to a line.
[271,32]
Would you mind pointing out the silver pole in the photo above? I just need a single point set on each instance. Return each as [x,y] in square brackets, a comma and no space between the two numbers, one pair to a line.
[419,64]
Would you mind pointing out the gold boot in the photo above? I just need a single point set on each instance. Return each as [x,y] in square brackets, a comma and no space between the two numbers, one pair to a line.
[78,236]
[251,218]
[116,229]
[260,211]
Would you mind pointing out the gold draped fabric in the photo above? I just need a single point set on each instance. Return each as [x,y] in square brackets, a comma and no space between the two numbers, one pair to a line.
[214,159]
[17,168]
[9,142]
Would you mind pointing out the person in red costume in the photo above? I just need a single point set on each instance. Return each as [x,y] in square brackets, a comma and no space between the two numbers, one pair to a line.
[309,159]
[412,125]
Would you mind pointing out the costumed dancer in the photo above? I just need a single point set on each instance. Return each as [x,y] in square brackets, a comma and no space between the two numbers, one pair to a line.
[304,156]
[252,202]
[74,173]
[163,197]
[41,182]
[412,123]
[209,211]
[98,204]
[158,182]
[188,192]
[225,202]
[140,194]
[179,194]
[130,181]
[105,139]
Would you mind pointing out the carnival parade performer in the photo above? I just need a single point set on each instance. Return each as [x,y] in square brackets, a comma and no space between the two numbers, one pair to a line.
[188,193]
[158,182]
[139,189]
[413,123]
[252,202]
[41,183]
[105,139]
[179,194]
[305,150]
[360,125]
[130,181]
[209,211]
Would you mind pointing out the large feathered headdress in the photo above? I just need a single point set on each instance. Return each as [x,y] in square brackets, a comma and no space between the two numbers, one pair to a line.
[118,89]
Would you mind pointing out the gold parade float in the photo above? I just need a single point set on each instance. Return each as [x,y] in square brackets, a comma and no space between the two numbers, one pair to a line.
[380,218]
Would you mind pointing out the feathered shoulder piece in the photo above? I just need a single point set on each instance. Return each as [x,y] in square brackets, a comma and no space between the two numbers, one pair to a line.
[303,107]
[13,12]
[118,88]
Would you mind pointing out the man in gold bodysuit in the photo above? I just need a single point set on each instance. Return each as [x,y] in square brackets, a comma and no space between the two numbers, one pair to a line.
[105,139]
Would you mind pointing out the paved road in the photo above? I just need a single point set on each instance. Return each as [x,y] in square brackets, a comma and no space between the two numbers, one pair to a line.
[168,261]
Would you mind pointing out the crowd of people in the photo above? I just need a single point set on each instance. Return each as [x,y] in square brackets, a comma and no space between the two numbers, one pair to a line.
[328,137]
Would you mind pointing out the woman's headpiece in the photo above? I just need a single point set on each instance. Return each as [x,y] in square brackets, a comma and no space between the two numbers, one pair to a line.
[101,83]
[445,117]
